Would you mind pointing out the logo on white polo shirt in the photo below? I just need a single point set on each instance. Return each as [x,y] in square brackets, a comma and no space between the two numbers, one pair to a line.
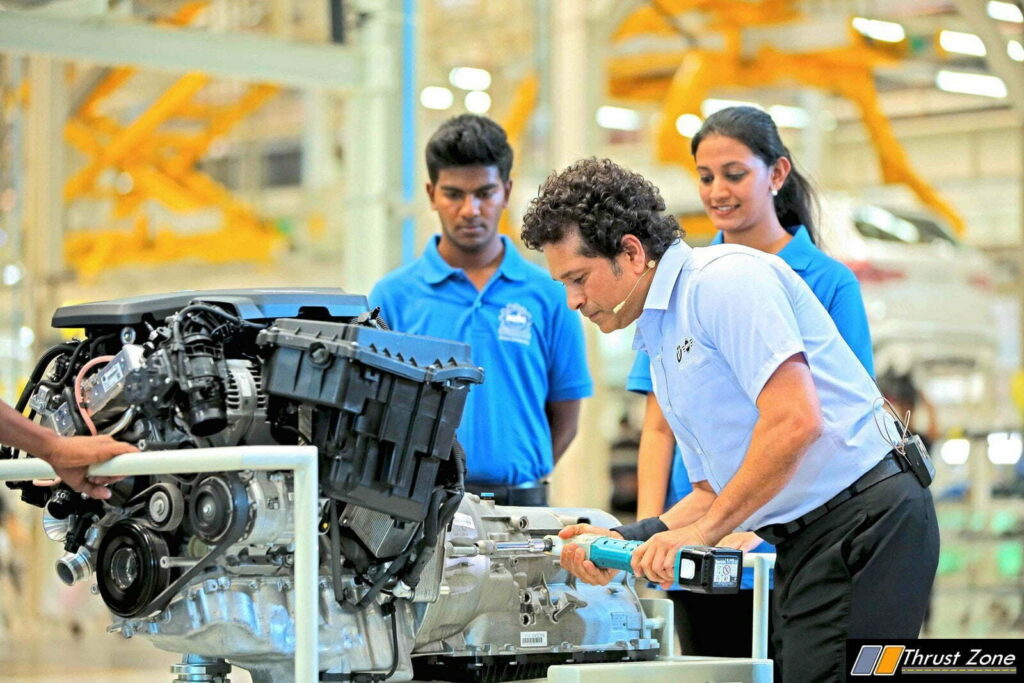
[515,324]
[683,348]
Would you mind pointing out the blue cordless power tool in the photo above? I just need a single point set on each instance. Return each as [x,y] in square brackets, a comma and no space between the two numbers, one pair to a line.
[698,568]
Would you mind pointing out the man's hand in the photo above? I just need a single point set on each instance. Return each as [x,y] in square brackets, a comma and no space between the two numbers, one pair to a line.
[655,559]
[574,558]
[741,540]
[71,456]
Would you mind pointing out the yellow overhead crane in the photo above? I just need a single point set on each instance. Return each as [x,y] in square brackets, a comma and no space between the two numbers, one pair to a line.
[682,79]
[159,165]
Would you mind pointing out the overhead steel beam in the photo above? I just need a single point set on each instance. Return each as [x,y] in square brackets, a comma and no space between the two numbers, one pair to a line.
[243,56]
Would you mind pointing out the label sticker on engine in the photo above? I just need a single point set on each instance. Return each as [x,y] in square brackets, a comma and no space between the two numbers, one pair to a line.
[462,526]
[112,376]
[533,639]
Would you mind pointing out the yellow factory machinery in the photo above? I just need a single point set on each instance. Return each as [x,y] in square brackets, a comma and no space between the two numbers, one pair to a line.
[747,55]
[146,159]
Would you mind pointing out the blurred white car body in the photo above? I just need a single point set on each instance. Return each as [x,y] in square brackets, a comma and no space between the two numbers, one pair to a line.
[928,298]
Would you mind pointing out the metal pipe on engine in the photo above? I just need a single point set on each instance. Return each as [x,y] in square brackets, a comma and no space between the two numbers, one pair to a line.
[74,567]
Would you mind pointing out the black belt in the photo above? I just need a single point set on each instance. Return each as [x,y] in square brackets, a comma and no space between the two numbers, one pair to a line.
[531,494]
[889,466]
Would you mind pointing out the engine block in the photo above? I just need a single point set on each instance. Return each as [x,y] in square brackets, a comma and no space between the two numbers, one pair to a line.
[417,578]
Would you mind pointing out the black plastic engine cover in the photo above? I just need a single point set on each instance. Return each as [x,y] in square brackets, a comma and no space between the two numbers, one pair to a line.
[390,404]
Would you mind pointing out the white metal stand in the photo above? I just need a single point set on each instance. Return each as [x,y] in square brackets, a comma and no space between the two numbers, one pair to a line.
[761,562]
[756,669]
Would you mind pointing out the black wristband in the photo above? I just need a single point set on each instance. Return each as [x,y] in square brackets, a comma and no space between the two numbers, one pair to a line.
[642,529]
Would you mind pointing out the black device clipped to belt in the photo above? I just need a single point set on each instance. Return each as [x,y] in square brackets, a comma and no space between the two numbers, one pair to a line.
[913,452]
[909,448]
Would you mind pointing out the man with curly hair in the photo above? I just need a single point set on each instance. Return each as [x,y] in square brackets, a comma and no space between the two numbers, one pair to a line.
[472,285]
[773,413]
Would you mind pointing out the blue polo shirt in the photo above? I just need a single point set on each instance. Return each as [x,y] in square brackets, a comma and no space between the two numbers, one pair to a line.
[520,332]
[717,322]
[835,286]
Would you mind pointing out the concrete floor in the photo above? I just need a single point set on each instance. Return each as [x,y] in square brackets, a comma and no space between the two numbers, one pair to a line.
[97,658]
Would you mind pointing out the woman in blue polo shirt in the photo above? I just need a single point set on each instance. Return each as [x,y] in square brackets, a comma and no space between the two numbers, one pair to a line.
[724,148]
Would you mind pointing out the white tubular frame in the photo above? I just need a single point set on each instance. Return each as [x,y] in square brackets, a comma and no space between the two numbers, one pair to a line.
[761,562]
[300,459]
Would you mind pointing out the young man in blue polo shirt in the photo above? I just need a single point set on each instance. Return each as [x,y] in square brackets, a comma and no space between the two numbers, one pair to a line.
[472,286]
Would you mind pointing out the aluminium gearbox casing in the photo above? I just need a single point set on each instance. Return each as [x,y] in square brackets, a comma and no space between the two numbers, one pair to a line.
[518,610]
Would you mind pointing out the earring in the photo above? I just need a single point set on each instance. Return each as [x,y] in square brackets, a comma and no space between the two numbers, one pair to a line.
[651,263]
[775,193]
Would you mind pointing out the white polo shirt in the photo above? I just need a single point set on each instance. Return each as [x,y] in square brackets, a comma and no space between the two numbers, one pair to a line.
[718,321]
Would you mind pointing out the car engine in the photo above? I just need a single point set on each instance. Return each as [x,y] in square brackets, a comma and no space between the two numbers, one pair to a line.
[417,578]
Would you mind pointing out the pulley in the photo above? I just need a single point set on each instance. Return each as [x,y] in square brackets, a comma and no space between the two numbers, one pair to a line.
[128,567]
[215,502]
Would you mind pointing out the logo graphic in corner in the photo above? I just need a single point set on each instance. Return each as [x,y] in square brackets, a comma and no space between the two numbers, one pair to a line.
[950,660]
[515,324]
[877,660]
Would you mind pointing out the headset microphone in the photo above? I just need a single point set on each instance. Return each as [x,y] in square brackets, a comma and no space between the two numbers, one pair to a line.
[650,267]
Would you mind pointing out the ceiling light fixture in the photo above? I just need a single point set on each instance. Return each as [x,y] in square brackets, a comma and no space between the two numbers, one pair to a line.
[1004,448]
[970,84]
[478,102]
[962,43]
[955,451]
[618,118]
[470,78]
[1016,50]
[876,29]
[688,125]
[1005,11]
[436,97]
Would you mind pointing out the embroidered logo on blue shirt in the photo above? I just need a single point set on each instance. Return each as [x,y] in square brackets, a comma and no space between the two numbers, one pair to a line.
[683,348]
[515,324]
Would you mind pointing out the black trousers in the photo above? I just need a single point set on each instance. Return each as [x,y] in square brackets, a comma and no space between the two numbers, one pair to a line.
[864,570]
[716,625]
